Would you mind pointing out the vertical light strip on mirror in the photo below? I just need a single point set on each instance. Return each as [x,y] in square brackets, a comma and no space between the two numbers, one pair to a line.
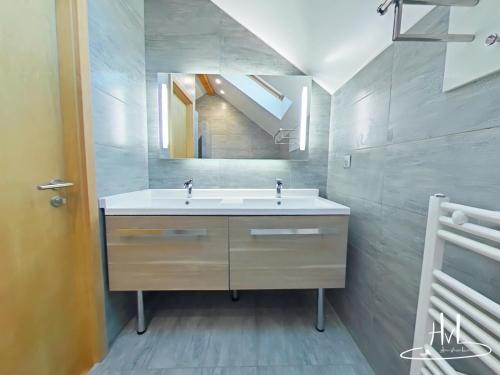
[303,118]
[164,116]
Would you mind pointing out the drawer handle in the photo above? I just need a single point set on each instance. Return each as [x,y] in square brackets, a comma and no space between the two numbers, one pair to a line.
[293,232]
[162,233]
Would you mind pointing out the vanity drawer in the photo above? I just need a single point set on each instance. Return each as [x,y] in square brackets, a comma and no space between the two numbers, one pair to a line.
[167,253]
[287,252]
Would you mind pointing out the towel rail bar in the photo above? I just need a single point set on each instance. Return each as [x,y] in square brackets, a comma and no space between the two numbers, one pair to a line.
[476,213]
[397,35]
[482,353]
[459,304]
[433,368]
[466,324]
[443,366]
[475,246]
[476,297]
[476,230]
[467,308]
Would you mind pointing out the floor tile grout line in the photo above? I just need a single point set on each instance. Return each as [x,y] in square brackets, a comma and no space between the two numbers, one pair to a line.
[303,307]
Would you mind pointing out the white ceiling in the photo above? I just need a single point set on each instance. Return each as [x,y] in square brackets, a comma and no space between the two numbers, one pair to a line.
[330,40]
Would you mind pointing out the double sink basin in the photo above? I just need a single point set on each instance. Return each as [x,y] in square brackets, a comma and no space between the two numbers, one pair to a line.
[221,202]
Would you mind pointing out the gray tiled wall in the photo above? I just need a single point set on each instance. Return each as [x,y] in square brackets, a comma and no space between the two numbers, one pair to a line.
[195,36]
[232,135]
[117,56]
[408,140]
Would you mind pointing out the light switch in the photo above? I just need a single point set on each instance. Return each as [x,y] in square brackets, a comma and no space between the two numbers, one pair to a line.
[347,161]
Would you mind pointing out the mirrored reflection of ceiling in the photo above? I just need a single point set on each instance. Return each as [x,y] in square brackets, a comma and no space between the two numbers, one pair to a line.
[330,40]
[281,109]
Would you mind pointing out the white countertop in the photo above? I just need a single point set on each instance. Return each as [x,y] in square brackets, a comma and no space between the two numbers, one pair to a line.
[224,202]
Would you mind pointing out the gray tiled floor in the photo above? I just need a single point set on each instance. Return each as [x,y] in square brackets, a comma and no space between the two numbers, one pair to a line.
[265,333]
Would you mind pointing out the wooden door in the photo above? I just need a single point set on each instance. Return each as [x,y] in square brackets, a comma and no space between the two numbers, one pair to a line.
[50,281]
[182,137]
[178,136]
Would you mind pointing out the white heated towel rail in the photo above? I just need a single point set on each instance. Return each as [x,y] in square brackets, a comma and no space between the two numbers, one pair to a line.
[442,294]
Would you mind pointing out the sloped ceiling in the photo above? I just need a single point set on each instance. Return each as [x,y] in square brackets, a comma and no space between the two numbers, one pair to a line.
[291,88]
[331,40]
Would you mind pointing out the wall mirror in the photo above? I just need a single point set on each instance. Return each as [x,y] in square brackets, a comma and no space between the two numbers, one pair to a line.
[233,116]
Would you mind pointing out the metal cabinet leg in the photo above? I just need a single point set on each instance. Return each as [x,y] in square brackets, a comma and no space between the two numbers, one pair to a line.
[141,322]
[320,315]
[235,295]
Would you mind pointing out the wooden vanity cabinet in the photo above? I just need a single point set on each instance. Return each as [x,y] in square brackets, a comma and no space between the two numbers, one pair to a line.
[167,253]
[222,253]
[287,252]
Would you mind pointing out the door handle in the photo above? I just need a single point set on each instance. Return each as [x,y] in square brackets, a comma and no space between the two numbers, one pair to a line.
[55,184]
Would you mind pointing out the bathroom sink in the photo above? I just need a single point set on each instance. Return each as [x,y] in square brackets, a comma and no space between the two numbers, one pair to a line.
[185,202]
[227,202]
[275,203]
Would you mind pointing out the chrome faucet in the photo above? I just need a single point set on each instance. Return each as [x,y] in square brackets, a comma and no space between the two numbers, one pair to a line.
[279,187]
[188,184]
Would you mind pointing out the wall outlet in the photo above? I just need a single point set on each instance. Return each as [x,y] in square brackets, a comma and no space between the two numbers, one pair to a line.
[347,161]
